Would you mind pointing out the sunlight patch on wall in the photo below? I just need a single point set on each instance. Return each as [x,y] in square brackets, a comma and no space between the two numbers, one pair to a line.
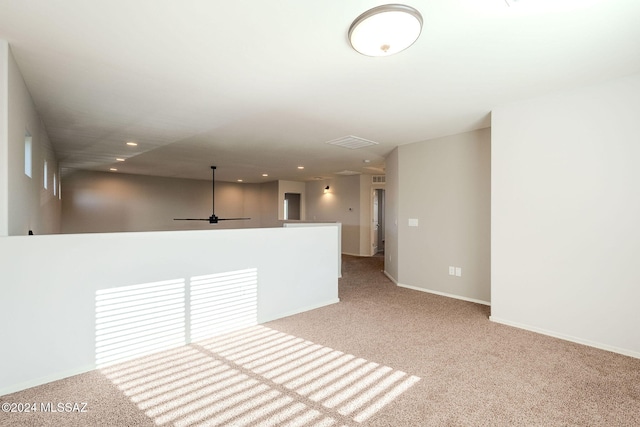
[260,377]
[223,302]
[135,320]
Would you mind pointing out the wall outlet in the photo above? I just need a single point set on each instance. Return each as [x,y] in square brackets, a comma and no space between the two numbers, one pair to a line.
[458,271]
[452,271]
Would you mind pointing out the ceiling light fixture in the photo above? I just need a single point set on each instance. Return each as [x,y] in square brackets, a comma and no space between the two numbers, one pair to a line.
[265,174]
[119,159]
[113,169]
[132,144]
[300,167]
[385,30]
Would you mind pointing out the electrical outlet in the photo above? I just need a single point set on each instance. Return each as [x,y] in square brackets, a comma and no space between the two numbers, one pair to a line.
[452,271]
[458,271]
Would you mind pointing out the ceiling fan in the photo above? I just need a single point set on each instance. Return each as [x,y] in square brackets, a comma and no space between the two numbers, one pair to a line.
[213,219]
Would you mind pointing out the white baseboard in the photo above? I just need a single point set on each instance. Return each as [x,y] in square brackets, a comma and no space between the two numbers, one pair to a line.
[443,294]
[570,338]
[46,379]
[429,291]
[350,254]
[390,277]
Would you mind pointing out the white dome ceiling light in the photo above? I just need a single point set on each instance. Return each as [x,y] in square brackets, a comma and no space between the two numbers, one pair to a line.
[385,30]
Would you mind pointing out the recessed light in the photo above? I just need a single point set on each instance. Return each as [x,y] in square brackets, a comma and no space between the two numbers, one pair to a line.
[300,167]
[113,169]
[265,174]
[132,144]
[239,180]
[120,159]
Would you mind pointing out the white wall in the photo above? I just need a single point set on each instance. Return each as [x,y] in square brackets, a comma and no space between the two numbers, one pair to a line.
[392,194]
[340,204]
[324,224]
[269,204]
[114,202]
[4,138]
[29,205]
[49,313]
[444,184]
[565,212]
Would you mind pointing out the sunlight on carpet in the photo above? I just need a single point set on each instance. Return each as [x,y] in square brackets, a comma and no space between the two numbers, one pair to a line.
[261,377]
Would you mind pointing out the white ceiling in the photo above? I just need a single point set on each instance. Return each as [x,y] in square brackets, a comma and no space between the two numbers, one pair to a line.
[256,86]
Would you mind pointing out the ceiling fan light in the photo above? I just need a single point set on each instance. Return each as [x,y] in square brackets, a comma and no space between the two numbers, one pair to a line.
[385,30]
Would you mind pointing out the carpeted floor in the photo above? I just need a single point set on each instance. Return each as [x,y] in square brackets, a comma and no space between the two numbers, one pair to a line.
[383,356]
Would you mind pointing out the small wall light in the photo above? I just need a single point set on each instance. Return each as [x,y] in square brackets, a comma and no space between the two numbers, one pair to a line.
[326,189]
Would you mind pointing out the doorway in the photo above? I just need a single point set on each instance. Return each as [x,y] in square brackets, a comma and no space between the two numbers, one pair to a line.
[292,206]
[377,223]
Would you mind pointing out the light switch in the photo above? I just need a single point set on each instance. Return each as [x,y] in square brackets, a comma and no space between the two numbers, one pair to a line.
[452,271]
[413,222]
[458,271]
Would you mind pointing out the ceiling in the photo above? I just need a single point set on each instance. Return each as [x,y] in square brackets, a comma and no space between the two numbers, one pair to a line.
[256,86]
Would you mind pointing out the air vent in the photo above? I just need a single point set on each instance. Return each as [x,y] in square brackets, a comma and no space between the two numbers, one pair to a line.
[347,172]
[378,179]
[351,142]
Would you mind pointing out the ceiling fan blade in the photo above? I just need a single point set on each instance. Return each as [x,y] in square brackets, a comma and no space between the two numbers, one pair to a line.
[191,219]
[232,219]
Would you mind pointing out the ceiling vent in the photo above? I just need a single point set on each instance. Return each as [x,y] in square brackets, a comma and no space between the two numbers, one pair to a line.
[378,179]
[351,142]
[347,172]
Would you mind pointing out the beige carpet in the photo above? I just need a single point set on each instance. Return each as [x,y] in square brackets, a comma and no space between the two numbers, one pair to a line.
[384,356]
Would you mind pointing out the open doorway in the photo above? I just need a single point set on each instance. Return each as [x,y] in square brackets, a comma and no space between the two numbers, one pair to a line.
[292,206]
[377,224]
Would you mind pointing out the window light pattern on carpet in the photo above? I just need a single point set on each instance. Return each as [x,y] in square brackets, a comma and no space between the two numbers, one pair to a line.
[259,377]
